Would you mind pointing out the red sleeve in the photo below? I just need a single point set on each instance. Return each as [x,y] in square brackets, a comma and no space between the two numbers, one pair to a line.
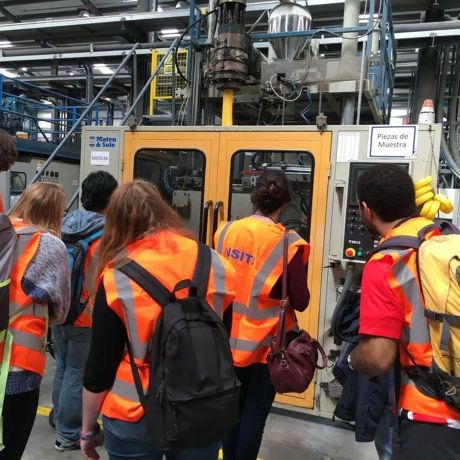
[1,205]
[381,313]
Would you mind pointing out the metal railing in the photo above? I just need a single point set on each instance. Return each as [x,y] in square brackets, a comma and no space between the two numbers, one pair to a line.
[77,123]
[149,81]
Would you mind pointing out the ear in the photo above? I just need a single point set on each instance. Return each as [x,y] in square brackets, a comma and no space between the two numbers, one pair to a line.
[366,210]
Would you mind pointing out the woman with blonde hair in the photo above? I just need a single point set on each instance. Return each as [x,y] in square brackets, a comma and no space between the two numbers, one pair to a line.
[142,227]
[39,292]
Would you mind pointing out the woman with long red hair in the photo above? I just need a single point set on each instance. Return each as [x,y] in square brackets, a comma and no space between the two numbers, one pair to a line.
[142,227]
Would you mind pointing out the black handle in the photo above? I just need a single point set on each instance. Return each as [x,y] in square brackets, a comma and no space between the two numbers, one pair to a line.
[205,220]
[218,212]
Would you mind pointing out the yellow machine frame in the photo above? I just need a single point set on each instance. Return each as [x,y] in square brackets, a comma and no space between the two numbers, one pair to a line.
[218,148]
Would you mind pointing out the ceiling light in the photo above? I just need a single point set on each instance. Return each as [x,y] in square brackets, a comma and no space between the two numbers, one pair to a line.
[103,69]
[83,11]
[5,44]
[169,31]
[8,74]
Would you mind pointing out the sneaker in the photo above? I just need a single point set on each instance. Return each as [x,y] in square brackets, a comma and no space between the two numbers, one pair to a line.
[66,447]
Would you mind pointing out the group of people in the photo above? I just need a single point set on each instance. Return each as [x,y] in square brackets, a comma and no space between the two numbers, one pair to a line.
[93,373]
[93,368]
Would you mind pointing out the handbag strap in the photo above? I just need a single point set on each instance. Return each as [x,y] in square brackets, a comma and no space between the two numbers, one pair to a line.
[280,336]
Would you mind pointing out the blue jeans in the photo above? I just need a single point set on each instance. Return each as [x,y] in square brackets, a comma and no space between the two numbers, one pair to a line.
[256,399]
[124,440]
[383,439]
[71,346]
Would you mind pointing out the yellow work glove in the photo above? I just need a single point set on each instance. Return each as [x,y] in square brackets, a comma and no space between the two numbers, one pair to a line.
[429,201]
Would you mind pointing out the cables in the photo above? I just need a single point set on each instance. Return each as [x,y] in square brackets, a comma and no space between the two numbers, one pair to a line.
[279,95]
[182,37]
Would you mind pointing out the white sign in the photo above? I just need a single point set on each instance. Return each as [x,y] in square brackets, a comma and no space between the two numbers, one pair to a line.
[348,146]
[99,158]
[392,141]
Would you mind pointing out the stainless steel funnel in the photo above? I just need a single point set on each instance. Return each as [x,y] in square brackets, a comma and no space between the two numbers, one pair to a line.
[288,17]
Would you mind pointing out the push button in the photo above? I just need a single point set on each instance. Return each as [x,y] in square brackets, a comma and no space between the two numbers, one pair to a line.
[350,253]
[359,253]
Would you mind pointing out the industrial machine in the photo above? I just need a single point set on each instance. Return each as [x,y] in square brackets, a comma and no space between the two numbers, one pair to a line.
[207,173]
[295,111]
[13,182]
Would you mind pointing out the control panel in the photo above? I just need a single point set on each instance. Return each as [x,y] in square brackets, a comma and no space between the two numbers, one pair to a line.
[358,242]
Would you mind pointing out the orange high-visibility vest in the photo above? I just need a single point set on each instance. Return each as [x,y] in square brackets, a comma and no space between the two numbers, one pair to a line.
[29,321]
[255,249]
[404,281]
[86,316]
[171,258]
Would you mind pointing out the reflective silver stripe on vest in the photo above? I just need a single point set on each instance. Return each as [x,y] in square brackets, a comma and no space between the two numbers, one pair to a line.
[248,345]
[126,296]
[89,275]
[256,313]
[28,340]
[21,244]
[219,283]
[418,331]
[220,242]
[29,230]
[125,390]
[268,266]
[31,310]
[405,380]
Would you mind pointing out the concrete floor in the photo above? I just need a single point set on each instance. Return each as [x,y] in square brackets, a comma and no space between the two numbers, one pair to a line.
[285,438]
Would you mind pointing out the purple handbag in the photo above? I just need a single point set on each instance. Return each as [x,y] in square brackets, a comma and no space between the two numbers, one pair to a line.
[293,358]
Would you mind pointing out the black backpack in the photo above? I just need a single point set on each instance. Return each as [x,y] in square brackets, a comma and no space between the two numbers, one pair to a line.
[193,392]
[77,248]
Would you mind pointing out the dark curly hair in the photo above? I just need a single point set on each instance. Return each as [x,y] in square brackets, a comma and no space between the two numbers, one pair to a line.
[8,151]
[271,192]
[388,190]
[96,190]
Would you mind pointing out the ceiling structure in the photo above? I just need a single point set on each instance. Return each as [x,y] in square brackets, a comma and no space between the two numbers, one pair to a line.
[58,43]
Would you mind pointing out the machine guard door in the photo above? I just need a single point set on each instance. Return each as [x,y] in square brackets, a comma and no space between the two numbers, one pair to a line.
[181,165]
[305,157]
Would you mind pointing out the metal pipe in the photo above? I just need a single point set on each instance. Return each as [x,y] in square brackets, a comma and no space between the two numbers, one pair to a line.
[426,26]
[454,106]
[212,20]
[448,157]
[227,107]
[361,78]
[349,49]
[149,81]
[91,48]
[361,73]
[72,200]
[82,116]
[173,93]
[135,79]
[350,19]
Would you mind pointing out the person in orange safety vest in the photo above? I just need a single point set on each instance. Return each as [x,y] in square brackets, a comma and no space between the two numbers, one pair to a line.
[39,291]
[254,246]
[71,340]
[140,226]
[392,319]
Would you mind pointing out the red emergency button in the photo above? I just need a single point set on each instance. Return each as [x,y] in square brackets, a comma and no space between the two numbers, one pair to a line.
[350,253]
